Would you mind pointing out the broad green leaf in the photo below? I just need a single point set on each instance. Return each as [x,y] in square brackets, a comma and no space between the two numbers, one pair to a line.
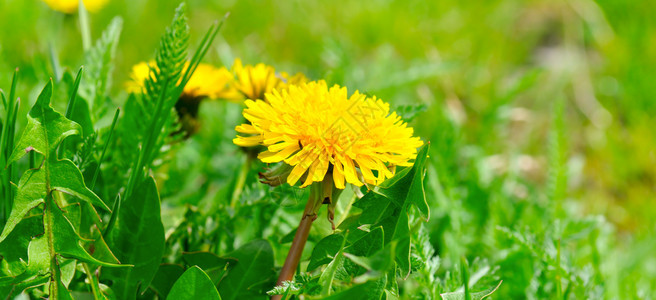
[365,246]
[408,186]
[388,207]
[67,269]
[137,239]
[206,260]
[253,274]
[474,296]
[336,265]
[67,178]
[402,236]
[99,248]
[324,251]
[370,290]
[45,128]
[82,116]
[194,284]
[212,264]
[166,276]
[377,265]
[368,244]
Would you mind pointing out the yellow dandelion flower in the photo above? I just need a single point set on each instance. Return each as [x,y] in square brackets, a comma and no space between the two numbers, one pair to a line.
[255,81]
[70,6]
[318,130]
[207,81]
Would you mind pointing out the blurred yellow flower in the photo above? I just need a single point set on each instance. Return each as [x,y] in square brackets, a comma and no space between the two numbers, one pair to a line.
[320,130]
[70,6]
[207,81]
[255,81]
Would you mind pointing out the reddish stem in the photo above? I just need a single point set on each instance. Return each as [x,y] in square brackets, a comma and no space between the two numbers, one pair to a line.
[295,252]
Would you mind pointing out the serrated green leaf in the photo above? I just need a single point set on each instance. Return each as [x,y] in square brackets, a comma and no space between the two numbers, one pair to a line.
[99,63]
[194,284]
[377,265]
[14,250]
[137,239]
[68,243]
[407,187]
[388,207]
[59,291]
[474,296]
[252,275]
[37,272]
[324,251]
[30,193]
[368,244]
[161,91]
[45,128]
[63,176]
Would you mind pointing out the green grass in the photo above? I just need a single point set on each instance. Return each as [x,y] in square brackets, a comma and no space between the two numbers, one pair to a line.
[540,117]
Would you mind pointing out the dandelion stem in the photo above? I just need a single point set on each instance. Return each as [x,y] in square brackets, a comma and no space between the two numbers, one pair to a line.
[241,180]
[84,26]
[302,232]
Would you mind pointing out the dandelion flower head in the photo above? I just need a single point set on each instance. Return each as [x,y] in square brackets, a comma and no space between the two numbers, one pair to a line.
[253,82]
[207,81]
[70,6]
[318,130]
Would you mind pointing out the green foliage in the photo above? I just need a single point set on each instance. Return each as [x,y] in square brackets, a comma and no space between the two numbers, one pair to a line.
[194,284]
[99,62]
[138,223]
[474,296]
[252,274]
[43,189]
[536,185]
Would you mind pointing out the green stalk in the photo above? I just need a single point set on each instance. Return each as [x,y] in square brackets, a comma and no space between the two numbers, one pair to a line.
[241,180]
[54,61]
[84,26]
[102,155]
[151,136]
[70,107]
[559,284]
[71,101]
[50,235]
[465,276]
[93,281]
[7,146]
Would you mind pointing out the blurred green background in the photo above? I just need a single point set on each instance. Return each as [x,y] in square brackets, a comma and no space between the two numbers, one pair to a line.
[492,76]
